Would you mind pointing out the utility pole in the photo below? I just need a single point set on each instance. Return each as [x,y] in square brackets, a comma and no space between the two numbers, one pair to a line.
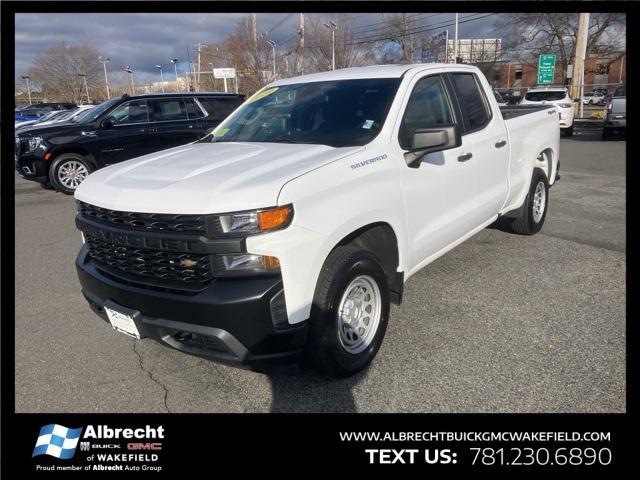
[86,88]
[333,27]
[621,66]
[104,62]
[254,40]
[200,46]
[273,49]
[300,57]
[577,82]
[455,43]
[27,77]
[175,69]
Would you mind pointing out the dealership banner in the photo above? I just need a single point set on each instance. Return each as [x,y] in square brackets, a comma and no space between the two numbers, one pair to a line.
[169,445]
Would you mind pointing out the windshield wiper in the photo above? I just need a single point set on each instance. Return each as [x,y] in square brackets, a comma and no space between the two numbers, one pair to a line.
[283,140]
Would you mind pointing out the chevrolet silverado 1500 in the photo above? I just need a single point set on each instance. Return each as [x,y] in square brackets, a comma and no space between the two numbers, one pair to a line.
[287,231]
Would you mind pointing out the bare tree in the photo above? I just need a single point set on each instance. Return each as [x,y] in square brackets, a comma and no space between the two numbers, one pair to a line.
[249,59]
[527,35]
[347,52]
[56,71]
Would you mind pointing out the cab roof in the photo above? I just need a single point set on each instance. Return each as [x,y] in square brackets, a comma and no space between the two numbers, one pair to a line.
[371,71]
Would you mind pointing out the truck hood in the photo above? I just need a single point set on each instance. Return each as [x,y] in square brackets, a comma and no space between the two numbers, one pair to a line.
[205,177]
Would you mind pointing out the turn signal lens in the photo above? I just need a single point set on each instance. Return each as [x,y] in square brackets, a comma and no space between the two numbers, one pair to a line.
[274,219]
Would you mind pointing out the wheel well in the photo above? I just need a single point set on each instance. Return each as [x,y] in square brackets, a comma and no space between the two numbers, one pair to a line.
[380,239]
[90,158]
[545,158]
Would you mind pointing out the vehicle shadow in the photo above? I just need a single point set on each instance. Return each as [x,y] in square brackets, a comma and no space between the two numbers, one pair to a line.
[309,392]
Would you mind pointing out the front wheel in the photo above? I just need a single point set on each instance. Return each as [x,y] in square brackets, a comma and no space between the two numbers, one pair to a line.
[350,312]
[567,132]
[68,171]
[535,206]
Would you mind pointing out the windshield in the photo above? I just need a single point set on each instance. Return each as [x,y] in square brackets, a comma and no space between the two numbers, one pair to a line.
[621,91]
[91,114]
[544,96]
[338,113]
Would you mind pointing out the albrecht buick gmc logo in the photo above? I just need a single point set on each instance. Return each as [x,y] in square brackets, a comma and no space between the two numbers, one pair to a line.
[61,442]
[106,432]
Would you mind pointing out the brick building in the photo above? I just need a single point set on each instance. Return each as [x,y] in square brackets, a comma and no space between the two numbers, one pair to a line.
[600,72]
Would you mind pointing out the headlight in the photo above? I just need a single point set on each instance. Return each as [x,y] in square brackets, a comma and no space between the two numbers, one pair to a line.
[257,221]
[34,142]
[566,105]
[245,264]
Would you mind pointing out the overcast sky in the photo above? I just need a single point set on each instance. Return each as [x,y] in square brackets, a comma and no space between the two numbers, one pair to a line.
[144,40]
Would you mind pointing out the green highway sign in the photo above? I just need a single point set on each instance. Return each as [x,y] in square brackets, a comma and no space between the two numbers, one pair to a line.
[546,68]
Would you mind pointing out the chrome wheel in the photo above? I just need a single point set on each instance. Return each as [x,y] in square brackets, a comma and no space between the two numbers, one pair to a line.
[539,200]
[359,314]
[71,173]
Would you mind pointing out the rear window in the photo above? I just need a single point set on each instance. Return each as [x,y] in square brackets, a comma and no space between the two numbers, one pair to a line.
[219,108]
[168,109]
[544,96]
[621,91]
[472,102]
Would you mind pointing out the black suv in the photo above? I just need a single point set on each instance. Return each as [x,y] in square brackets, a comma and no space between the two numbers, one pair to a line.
[63,154]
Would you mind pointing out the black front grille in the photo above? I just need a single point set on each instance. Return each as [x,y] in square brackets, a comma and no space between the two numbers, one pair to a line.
[148,222]
[161,268]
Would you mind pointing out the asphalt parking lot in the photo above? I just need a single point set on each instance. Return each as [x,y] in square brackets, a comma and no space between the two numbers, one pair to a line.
[503,323]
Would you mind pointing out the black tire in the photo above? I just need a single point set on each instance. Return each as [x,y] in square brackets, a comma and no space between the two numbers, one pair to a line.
[567,132]
[325,349]
[526,224]
[606,134]
[60,162]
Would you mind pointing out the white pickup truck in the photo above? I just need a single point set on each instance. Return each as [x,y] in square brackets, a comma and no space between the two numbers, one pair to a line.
[286,232]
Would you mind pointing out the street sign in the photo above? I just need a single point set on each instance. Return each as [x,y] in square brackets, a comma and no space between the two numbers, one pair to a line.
[546,69]
[224,72]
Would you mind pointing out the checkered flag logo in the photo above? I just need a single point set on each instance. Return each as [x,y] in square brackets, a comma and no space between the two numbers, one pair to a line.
[57,441]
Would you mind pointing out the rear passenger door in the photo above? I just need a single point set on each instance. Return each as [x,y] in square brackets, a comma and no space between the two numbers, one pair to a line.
[488,135]
[172,122]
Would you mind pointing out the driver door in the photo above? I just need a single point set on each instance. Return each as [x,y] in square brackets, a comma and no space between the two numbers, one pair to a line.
[439,192]
[132,134]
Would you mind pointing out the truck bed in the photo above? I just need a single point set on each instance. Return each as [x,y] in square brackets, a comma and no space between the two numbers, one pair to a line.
[512,111]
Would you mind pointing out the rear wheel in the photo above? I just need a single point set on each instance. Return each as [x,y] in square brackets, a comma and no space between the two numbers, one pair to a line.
[68,171]
[535,208]
[350,312]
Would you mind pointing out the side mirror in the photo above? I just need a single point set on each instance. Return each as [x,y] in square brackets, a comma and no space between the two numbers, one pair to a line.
[107,123]
[429,140]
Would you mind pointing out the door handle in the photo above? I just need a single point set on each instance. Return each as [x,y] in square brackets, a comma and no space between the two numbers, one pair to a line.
[501,143]
[465,157]
[190,126]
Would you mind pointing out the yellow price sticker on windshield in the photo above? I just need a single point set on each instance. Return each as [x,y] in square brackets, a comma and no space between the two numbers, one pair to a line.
[262,94]
[221,132]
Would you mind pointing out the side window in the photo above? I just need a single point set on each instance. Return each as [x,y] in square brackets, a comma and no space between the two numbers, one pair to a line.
[135,111]
[428,107]
[219,108]
[193,110]
[168,109]
[473,104]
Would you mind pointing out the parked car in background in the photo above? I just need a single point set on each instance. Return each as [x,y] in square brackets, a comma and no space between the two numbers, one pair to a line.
[52,117]
[554,95]
[64,153]
[616,113]
[296,223]
[37,110]
[592,98]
